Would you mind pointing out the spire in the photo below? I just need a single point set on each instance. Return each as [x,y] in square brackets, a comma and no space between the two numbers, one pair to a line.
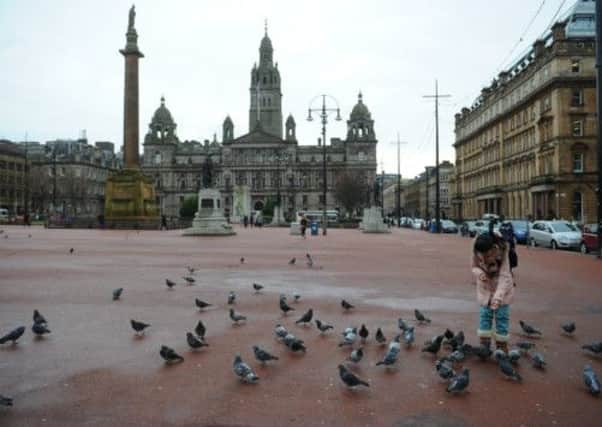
[266,27]
[359,96]
[265,50]
[162,100]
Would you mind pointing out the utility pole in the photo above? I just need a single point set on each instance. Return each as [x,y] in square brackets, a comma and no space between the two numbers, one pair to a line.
[436,96]
[426,201]
[398,189]
[598,108]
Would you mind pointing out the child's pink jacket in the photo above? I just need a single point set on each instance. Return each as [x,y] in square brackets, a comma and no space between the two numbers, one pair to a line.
[498,288]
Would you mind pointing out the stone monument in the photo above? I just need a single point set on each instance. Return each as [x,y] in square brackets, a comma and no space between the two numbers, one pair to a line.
[241,205]
[372,222]
[130,200]
[209,219]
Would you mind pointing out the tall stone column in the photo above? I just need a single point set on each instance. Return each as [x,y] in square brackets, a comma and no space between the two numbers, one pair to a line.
[130,98]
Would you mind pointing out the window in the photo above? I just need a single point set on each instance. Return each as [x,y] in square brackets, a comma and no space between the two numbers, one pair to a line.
[577,98]
[304,200]
[577,128]
[578,162]
[575,65]
[577,206]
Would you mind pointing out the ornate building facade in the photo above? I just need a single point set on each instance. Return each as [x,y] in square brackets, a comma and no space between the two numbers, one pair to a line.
[527,147]
[269,163]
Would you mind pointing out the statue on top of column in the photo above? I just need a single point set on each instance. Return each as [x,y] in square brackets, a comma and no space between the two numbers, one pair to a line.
[132,18]
[208,172]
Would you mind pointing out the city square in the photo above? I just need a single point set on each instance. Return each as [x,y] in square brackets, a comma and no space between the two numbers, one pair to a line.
[92,369]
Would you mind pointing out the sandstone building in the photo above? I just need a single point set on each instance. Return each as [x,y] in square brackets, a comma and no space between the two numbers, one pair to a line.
[527,147]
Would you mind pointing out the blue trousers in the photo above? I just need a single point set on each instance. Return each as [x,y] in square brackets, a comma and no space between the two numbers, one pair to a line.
[502,323]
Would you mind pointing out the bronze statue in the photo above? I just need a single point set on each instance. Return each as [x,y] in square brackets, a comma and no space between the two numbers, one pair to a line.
[132,18]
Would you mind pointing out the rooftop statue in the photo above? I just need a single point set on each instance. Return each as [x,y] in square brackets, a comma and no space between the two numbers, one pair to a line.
[132,18]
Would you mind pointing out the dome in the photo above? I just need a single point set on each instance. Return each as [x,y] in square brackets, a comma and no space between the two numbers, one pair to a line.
[290,120]
[228,121]
[162,116]
[360,111]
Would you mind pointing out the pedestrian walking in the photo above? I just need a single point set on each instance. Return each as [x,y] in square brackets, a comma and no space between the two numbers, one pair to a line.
[163,222]
[303,226]
[495,288]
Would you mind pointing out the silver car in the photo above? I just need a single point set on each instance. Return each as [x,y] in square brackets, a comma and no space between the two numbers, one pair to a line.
[554,234]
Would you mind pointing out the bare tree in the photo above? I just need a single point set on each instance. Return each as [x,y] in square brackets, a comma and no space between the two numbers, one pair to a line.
[350,189]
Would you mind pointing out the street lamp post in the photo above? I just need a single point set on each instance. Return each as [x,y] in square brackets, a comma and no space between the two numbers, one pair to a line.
[324,111]
[278,158]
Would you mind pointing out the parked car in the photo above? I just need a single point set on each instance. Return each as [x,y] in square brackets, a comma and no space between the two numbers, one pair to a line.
[418,223]
[4,215]
[448,226]
[470,228]
[555,234]
[521,230]
[589,240]
[482,226]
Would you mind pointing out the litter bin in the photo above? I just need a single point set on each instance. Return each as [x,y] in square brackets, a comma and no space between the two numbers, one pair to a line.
[314,228]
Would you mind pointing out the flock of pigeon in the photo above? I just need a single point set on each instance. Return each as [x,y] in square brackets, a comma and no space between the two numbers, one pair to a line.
[353,339]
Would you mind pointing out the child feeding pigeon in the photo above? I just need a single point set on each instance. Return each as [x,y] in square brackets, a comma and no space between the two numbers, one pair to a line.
[495,289]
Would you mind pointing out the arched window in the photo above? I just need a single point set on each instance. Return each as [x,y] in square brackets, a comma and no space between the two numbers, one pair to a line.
[577,206]
[157,158]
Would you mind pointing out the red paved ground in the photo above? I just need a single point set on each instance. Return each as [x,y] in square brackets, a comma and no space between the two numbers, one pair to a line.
[92,371]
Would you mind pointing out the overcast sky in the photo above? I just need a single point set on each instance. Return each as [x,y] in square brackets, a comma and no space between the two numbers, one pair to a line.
[61,71]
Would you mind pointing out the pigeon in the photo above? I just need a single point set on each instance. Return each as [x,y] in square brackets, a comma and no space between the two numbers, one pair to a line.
[390,358]
[294,343]
[284,307]
[483,352]
[201,304]
[117,293]
[257,287]
[459,382]
[595,347]
[309,261]
[13,335]
[525,345]
[280,331]
[263,356]
[456,356]
[292,261]
[190,269]
[170,284]
[591,380]
[242,259]
[349,378]
[349,337]
[323,327]
[420,317]
[40,329]
[296,297]
[346,305]
[506,367]
[444,369]
[402,324]
[356,355]
[194,342]
[244,371]
[528,329]
[189,280]
[231,298]
[457,340]
[139,327]
[38,318]
[169,355]
[380,337]
[538,361]
[408,336]
[236,317]
[448,334]
[29,235]
[363,333]
[306,318]
[514,355]
[71,251]
[433,346]
[5,401]
[200,329]
[568,328]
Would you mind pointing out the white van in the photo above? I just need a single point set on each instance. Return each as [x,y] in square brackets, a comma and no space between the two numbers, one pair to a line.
[3,215]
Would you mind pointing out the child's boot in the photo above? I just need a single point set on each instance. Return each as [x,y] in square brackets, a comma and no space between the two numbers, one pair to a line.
[485,342]
[502,345]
